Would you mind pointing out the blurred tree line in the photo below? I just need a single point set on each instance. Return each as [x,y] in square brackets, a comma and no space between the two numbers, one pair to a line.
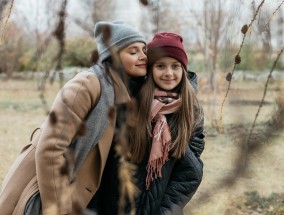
[211,32]
[18,53]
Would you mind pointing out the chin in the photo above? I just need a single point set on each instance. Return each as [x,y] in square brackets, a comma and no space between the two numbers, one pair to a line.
[139,74]
[164,88]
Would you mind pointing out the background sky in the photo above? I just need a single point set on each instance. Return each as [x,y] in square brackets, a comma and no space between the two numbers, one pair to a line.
[35,15]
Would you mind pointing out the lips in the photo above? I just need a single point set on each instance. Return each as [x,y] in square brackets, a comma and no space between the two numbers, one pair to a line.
[167,80]
[141,65]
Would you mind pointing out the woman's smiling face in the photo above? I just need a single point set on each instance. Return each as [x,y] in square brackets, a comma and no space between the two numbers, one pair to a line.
[134,59]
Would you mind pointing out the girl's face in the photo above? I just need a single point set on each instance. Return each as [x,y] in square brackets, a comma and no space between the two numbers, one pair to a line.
[167,73]
[134,60]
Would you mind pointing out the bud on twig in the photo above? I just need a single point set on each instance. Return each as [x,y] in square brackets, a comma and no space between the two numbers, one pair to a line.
[106,34]
[111,113]
[144,2]
[244,29]
[229,76]
[82,130]
[94,56]
[238,59]
[53,118]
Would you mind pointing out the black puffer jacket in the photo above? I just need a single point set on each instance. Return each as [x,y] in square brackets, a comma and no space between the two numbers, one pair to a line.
[180,180]
[167,195]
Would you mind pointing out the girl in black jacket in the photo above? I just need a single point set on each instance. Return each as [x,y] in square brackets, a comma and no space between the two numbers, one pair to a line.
[169,115]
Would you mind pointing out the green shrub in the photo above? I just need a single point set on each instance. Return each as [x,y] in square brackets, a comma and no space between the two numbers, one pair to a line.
[41,59]
[78,52]
[269,205]
[12,48]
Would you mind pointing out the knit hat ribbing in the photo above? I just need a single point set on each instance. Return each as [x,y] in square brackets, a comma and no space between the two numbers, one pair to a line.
[119,36]
[166,45]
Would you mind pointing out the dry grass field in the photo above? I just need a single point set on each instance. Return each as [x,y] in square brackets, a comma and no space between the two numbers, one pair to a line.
[21,111]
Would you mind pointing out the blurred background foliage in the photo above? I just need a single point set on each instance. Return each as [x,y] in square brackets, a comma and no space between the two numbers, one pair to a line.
[20,52]
[211,32]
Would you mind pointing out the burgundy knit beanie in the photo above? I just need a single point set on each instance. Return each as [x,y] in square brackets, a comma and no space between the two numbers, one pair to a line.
[166,45]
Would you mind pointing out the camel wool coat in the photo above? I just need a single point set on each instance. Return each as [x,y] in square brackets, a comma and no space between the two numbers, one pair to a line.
[38,166]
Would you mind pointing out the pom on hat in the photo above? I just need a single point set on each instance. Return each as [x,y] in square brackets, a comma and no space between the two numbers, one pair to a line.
[166,45]
[114,34]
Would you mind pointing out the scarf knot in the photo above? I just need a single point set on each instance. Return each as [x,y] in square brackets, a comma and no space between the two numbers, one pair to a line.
[163,103]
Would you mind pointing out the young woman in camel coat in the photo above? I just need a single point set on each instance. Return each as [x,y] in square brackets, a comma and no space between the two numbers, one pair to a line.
[40,177]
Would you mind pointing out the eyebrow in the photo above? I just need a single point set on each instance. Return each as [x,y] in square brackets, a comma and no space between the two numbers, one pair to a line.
[161,61]
[136,47]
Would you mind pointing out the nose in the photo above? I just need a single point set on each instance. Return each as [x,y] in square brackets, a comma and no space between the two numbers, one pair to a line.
[142,56]
[168,71]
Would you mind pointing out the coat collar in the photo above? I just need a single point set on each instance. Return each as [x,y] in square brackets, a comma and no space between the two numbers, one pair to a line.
[120,91]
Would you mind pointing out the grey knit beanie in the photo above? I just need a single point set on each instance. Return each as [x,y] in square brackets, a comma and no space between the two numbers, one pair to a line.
[120,36]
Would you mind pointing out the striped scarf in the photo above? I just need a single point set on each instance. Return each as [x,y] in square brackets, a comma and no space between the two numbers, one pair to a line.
[163,103]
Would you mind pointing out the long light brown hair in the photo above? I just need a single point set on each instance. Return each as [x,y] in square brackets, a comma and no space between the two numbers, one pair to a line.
[181,123]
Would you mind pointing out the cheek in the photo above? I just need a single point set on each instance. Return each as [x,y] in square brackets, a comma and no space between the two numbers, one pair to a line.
[126,61]
[179,75]
[129,66]
[155,79]
[155,75]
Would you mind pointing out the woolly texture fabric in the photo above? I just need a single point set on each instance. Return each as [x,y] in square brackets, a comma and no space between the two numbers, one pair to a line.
[163,103]
[116,34]
[167,44]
